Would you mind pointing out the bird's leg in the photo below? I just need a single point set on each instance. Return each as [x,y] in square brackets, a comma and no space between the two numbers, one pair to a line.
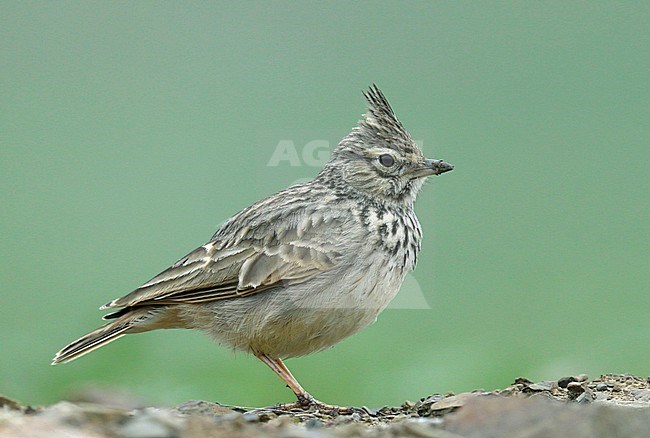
[305,400]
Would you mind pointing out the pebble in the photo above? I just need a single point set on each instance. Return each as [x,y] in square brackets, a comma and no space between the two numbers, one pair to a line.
[618,397]
[602,396]
[575,388]
[564,381]
[586,397]
[641,394]
[601,387]
[544,385]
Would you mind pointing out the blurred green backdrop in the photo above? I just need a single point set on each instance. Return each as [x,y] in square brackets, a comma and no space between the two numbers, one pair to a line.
[130,130]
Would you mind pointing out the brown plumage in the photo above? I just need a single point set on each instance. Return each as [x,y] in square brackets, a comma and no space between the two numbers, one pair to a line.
[300,270]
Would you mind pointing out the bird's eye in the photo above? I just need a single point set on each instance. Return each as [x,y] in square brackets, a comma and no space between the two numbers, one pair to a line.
[386,160]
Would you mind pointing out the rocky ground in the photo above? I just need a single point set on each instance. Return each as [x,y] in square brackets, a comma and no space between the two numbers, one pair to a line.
[609,406]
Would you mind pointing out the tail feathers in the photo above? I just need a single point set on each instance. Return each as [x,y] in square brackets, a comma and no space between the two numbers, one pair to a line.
[100,337]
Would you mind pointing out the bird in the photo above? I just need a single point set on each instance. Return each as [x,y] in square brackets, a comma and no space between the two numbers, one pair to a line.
[301,270]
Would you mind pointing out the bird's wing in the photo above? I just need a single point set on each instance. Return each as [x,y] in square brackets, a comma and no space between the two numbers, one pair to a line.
[244,261]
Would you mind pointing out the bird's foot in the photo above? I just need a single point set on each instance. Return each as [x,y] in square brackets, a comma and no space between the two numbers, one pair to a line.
[306,402]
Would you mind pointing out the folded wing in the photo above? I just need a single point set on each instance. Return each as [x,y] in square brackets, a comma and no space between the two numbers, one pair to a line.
[239,267]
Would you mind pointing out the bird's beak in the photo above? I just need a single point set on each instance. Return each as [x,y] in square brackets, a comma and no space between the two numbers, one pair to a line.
[431,167]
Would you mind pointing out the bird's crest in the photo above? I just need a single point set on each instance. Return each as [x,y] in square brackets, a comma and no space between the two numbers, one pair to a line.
[380,120]
[379,127]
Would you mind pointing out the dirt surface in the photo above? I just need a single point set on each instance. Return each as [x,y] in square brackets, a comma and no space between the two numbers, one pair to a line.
[609,406]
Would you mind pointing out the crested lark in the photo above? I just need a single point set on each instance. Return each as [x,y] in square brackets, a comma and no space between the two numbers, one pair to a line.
[301,270]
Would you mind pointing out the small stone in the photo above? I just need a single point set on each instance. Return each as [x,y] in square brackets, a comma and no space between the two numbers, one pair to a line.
[453,402]
[384,411]
[408,404]
[544,385]
[582,378]
[586,397]
[575,388]
[522,381]
[601,387]
[423,407]
[602,396]
[564,381]
[641,394]
[433,398]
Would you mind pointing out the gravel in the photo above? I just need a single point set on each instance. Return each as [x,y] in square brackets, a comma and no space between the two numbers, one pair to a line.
[610,405]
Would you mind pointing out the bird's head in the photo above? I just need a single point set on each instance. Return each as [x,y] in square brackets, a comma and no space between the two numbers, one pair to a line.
[380,159]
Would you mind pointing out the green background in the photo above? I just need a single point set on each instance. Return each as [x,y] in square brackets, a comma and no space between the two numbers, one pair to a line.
[130,130]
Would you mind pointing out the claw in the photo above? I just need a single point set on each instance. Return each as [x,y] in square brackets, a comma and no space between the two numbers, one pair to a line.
[311,404]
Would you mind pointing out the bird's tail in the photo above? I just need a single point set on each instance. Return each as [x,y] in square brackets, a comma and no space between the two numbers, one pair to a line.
[102,336]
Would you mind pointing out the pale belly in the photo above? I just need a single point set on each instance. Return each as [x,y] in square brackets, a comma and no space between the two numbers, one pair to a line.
[300,319]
